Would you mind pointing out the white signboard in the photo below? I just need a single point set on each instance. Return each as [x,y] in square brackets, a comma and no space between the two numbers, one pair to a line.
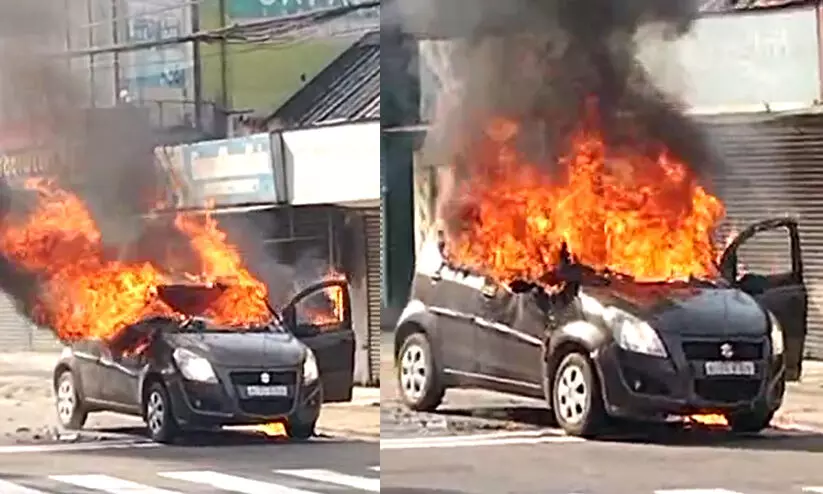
[333,165]
[742,62]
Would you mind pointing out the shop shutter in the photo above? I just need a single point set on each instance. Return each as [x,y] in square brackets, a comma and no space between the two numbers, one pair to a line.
[15,330]
[43,340]
[776,168]
[374,278]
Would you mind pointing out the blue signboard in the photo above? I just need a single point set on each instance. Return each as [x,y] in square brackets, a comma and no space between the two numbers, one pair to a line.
[229,172]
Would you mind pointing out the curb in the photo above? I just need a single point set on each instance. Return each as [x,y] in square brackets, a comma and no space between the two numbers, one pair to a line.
[348,434]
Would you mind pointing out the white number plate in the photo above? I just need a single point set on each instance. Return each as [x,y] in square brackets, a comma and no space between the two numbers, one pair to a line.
[267,391]
[730,368]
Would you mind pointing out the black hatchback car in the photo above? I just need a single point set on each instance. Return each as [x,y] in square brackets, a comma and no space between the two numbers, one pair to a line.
[193,375]
[610,347]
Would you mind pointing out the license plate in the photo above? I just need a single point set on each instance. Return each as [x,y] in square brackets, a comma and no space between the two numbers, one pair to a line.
[730,368]
[266,391]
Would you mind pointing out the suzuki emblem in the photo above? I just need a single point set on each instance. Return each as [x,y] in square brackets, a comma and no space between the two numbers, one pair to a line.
[265,378]
[726,350]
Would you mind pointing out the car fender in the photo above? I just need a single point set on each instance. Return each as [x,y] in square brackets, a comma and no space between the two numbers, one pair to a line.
[579,334]
[416,317]
[67,361]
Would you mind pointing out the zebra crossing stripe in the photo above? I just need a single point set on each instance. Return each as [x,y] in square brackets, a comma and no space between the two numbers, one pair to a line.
[231,483]
[112,485]
[697,491]
[10,488]
[331,477]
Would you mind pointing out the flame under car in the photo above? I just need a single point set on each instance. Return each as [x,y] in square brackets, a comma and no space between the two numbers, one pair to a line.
[608,347]
[189,374]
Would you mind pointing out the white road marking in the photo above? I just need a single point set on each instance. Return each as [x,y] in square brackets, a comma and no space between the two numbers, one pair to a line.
[696,491]
[7,487]
[471,441]
[815,490]
[375,469]
[330,477]
[58,448]
[231,483]
[112,485]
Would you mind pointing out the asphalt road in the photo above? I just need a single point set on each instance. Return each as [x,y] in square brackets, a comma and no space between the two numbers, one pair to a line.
[667,462]
[207,465]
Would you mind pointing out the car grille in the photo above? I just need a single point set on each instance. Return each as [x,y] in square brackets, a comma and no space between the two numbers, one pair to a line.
[246,378]
[710,350]
[727,390]
[267,406]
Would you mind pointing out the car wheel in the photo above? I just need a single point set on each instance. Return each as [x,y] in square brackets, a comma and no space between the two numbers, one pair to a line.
[576,398]
[417,377]
[300,431]
[750,422]
[70,409]
[157,414]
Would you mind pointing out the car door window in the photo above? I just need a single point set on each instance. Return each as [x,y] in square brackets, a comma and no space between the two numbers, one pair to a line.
[323,309]
[764,259]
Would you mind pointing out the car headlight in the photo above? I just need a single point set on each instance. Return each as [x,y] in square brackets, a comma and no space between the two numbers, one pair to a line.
[193,366]
[310,371]
[634,334]
[776,334]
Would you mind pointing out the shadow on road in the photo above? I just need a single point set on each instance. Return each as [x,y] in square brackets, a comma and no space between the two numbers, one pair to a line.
[527,416]
[218,438]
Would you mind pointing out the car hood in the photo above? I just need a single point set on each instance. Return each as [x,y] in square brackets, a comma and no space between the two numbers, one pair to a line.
[687,310]
[237,349]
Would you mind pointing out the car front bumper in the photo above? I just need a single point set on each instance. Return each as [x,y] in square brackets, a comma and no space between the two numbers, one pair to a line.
[644,387]
[199,405]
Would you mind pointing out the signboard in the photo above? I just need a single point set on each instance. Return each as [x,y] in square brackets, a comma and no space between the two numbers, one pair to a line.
[168,68]
[742,62]
[333,165]
[253,9]
[229,172]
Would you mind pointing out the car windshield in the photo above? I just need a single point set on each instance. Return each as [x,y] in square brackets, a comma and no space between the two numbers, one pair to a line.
[193,301]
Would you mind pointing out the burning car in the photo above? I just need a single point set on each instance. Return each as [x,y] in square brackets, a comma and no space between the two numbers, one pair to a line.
[189,373]
[609,346]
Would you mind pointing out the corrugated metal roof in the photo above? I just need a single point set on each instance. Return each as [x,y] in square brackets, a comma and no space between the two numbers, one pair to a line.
[719,6]
[348,89]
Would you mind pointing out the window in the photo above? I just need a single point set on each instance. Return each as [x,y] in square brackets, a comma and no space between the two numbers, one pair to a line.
[766,253]
[323,308]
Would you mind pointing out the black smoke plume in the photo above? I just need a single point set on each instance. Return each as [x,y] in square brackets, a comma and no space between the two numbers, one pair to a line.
[541,62]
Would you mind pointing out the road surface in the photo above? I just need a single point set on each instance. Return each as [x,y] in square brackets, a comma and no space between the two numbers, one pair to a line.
[546,462]
[207,466]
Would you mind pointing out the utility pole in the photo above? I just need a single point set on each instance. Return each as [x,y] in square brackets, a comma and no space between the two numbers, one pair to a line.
[115,37]
[224,60]
[197,68]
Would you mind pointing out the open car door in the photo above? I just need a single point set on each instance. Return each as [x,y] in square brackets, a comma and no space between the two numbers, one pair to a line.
[320,316]
[782,292]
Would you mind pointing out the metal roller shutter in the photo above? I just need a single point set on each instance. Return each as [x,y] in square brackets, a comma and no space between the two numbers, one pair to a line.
[15,330]
[374,279]
[43,340]
[776,168]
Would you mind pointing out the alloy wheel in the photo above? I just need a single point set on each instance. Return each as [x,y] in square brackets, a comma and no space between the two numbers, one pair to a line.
[413,373]
[572,395]
[155,412]
[66,400]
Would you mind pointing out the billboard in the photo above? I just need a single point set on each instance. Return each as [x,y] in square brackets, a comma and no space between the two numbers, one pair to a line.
[338,164]
[228,172]
[164,72]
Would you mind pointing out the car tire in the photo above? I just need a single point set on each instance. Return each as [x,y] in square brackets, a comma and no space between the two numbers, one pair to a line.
[157,414]
[299,431]
[418,378]
[71,412]
[576,399]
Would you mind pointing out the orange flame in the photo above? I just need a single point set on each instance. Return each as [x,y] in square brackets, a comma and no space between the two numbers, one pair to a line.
[710,419]
[85,293]
[333,312]
[621,210]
